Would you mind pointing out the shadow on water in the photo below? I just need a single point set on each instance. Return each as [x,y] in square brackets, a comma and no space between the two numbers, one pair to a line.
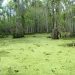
[71,44]
[4,53]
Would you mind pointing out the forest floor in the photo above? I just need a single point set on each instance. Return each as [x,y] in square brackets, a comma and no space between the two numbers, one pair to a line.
[36,55]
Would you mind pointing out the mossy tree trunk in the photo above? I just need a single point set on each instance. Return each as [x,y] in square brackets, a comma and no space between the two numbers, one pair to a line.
[56,19]
[55,33]
[19,28]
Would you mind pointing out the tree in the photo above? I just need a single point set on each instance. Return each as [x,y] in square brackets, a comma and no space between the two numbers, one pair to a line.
[19,31]
[56,18]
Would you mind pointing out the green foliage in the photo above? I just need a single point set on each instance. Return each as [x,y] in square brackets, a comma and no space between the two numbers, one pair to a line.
[38,16]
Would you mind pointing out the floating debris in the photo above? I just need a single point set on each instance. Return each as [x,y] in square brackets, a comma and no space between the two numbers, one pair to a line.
[46,53]
[16,71]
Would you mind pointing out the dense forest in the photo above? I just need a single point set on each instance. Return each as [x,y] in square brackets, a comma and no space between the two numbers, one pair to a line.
[20,17]
[37,37]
